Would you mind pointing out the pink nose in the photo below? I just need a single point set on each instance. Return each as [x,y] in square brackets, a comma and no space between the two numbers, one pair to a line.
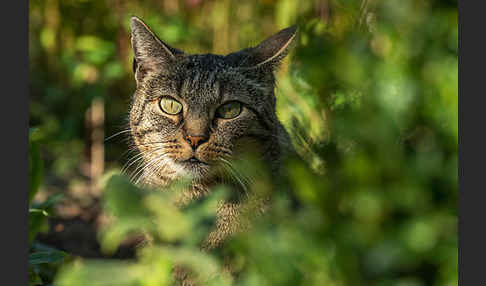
[195,141]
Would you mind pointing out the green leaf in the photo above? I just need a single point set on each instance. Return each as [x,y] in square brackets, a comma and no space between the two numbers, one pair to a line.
[122,198]
[101,273]
[38,214]
[34,278]
[36,220]
[44,212]
[52,256]
[36,167]
[32,130]
[52,200]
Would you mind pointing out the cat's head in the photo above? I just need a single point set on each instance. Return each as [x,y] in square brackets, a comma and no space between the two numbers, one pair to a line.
[191,112]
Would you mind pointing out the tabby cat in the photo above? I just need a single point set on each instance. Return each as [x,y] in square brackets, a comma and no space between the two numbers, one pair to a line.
[193,112]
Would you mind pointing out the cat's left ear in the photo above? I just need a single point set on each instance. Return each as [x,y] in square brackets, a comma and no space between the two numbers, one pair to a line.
[271,51]
[149,51]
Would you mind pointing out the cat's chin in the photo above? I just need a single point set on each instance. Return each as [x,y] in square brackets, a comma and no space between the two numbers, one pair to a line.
[194,168]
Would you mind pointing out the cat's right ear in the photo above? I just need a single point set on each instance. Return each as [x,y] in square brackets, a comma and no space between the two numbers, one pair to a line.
[149,51]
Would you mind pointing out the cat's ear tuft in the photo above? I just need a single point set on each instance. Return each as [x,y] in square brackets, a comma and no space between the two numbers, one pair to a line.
[272,50]
[148,49]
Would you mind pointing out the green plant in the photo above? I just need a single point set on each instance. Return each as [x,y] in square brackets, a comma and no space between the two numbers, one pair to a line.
[42,259]
[171,235]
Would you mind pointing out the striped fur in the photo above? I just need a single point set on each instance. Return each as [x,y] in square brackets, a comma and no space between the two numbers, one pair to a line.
[201,83]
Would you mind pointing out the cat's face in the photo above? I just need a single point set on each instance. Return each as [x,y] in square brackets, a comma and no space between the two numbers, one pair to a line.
[192,113]
[195,118]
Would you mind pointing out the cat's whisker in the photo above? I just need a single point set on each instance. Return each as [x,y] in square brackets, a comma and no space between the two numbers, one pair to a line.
[142,163]
[241,179]
[116,134]
[149,166]
[137,157]
[159,142]
[224,151]
[146,166]
[158,168]
[127,152]
[138,171]
[151,143]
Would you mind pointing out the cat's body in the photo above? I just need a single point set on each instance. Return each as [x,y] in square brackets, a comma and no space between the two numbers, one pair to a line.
[192,113]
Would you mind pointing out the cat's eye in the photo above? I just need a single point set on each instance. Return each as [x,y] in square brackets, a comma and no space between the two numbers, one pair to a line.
[170,106]
[229,110]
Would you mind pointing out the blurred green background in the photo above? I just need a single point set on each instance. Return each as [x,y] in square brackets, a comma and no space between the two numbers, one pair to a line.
[369,95]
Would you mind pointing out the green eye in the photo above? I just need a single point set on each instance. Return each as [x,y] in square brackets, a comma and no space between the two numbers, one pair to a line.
[170,106]
[229,110]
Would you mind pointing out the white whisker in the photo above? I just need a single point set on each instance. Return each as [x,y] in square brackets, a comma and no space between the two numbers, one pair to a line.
[116,134]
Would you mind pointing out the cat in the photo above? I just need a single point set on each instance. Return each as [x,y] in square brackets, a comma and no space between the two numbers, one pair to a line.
[191,113]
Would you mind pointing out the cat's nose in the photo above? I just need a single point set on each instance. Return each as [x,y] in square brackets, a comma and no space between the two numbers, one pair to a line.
[195,141]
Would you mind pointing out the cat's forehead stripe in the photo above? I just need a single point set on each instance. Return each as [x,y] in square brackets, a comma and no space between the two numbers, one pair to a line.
[201,85]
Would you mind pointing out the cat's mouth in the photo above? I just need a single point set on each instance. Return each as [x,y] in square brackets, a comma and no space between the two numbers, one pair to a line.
[195,166]
[194,161]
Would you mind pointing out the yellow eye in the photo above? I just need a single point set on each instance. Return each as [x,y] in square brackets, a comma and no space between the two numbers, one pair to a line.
[229,110]
[170,106]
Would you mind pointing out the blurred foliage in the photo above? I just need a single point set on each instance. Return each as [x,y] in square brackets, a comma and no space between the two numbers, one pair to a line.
[43,261]
[369,96]
[134,211]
